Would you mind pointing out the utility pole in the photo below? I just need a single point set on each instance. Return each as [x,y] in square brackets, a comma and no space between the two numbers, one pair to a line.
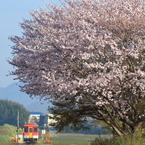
[18,119]
[17,124]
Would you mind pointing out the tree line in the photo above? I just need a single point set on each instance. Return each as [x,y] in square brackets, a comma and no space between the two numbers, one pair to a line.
[9,113]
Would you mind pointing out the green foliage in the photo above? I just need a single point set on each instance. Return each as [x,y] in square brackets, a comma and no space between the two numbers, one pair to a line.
[73,119]
[67,114]
[141,108]
[8,113]
[133,139]
[7,132]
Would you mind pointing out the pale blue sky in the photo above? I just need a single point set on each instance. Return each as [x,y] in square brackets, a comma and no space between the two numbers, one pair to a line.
[11,14]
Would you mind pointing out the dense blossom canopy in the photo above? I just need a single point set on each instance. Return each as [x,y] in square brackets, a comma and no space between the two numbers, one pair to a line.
[93,50]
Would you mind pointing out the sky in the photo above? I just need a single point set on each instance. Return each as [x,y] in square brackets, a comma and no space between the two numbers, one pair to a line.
[12,13]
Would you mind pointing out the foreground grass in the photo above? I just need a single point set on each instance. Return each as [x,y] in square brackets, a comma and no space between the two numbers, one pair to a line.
[6,134]
[135,139]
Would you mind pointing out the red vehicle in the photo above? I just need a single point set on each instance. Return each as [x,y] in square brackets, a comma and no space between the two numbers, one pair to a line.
[30,133]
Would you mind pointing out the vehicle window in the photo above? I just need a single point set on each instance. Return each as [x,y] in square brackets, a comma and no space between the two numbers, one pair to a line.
[30,129]
[25,129]
[35,129]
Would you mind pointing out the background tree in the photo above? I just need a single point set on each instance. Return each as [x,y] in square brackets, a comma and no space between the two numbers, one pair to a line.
[8,113]
[69,118]
[90,50]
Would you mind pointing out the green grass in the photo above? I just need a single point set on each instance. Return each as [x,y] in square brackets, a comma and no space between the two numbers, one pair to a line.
[134,139]
[6,134]
[74,139]
[8,131]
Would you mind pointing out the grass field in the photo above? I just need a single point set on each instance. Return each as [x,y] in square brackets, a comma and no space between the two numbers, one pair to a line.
[74,139]
[8,131]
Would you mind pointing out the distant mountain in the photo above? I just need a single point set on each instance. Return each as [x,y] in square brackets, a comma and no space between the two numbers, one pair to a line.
[38,107]
[13,93]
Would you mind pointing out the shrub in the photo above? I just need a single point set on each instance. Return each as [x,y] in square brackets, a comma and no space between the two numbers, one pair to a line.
[133,139]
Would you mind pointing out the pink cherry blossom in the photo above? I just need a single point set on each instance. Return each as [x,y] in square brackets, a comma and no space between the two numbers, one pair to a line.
[90,49]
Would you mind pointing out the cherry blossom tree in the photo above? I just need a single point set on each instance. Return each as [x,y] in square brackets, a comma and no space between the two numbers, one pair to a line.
[91,50]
